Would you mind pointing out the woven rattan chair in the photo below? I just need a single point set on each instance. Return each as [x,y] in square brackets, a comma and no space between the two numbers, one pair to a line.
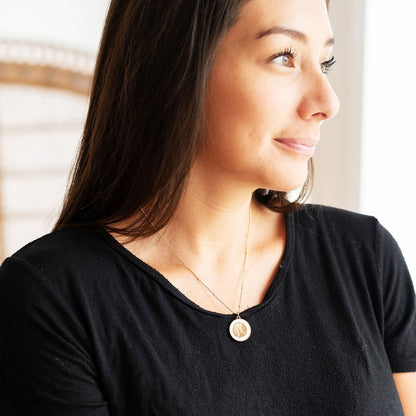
[43,102]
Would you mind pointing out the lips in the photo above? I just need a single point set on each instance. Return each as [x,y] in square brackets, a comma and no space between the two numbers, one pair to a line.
[304,146]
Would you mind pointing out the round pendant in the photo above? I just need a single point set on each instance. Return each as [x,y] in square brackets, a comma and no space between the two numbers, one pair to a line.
[240,329]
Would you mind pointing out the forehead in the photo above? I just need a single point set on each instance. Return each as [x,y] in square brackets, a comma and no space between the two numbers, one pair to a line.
[306,16]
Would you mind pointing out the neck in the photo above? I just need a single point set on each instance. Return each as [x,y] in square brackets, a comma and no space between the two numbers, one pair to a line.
[211,216]
[210,232]
[209,228]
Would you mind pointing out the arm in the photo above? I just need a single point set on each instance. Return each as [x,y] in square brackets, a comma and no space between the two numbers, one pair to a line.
[45,359]
[399,319]
[406,386]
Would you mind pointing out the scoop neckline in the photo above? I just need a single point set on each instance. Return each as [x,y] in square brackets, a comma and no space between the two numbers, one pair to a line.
[162,280]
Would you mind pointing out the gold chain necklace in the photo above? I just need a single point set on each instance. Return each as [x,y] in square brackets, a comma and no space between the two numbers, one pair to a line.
[239,329]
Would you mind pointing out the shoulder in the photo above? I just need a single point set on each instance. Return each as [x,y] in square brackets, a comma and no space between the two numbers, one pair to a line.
[344,233]
[334,223]
[62,240]
[62,256]
[330,217]
[68,243]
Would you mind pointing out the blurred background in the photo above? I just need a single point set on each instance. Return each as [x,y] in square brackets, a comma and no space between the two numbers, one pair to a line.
[366,157]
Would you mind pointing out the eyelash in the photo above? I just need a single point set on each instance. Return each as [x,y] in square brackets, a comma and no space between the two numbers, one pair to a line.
[291,53]
[327,65]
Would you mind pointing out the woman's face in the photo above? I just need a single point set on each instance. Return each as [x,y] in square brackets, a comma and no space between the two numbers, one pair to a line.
[268,94]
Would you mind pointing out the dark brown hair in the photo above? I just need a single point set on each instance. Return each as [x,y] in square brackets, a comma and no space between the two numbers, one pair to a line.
[144,123]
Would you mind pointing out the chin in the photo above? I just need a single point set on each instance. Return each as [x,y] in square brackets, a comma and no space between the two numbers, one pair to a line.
[287,182]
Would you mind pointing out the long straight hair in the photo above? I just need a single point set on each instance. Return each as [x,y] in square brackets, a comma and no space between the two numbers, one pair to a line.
[145,119]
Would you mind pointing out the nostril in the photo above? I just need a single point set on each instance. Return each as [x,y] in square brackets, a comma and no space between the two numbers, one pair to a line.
[319,101]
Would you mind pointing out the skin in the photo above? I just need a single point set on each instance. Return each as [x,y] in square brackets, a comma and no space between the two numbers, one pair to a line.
[263,115]
[264,98]
[406,386]
[253,99]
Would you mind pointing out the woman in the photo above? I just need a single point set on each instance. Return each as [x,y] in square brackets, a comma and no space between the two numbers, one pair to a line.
[175,283]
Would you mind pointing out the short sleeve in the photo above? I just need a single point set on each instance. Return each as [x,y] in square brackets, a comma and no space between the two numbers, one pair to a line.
[399,303]
[45,367]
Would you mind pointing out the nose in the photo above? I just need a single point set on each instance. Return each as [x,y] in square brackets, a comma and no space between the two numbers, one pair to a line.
[319,101]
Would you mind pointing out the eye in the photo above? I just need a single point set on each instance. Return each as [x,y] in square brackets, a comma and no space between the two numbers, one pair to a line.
[327,65]
[285,58]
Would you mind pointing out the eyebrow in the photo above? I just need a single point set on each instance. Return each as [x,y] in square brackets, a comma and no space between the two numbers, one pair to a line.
[294,34]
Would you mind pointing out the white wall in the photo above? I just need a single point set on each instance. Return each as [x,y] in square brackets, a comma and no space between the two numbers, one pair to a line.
[389,134]
[337,161]
[72,23]
[366,157]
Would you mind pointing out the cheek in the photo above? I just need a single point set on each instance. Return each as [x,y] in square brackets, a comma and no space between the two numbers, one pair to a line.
[242,108]
[243,116]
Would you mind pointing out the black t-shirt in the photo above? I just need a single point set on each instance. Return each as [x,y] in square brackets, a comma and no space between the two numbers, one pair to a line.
[86,328]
